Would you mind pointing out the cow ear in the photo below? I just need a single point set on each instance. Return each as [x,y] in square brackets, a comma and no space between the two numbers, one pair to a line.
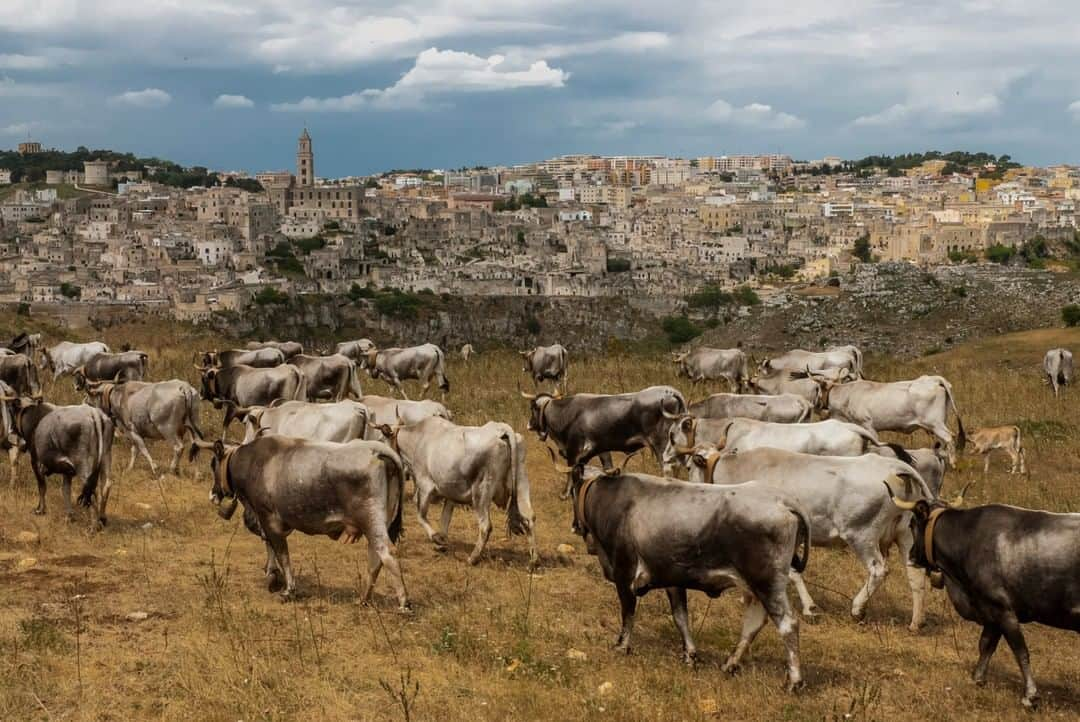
[219,448]
[922,509]
[698,460]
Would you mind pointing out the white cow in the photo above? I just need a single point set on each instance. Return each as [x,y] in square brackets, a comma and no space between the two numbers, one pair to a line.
[1058,367]
[468,465]
[906,406]
[340,422]
[65,357]
[784,408]
[845,502]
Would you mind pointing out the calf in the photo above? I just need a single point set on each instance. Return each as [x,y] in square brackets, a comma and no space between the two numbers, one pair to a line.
[1002,567]
[73,441]
[1007,438]
[467,352]
[468,465]
[652,533]
[343,491]
[140,410]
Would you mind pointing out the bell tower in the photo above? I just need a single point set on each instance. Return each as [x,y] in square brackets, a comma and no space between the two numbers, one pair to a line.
[305,161]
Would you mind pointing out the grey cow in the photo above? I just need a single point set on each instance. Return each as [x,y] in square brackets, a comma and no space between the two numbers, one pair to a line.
[653,533]
[65,357]
[343,491]
[141,410]
[708,364]
[262,358]
[73,441]
[288,348]
[1002,566]
[423,363]
[545,363]
[332,376]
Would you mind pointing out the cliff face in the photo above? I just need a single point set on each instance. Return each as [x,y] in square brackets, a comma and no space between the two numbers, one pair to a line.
[581,323]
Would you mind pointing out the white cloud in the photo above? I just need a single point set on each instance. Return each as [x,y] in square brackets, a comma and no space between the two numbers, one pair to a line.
[1074,110]
[11,89]
[17,129]
[227,101]
[439,72]
[150,98]
[754,115]
[24,62]
[944,100]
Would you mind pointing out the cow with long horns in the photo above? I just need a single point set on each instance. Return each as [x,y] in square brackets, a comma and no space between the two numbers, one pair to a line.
[239,387]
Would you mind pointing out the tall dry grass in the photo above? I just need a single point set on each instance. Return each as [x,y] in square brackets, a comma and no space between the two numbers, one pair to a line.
[491,641]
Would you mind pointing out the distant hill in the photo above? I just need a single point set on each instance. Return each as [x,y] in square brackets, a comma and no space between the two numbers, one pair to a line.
[956,161]
[31,168]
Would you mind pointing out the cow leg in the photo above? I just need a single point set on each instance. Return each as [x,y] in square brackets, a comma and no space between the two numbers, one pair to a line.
[1015,637]
[1023,460]
[68,509]
[178,450]
[809,609]
[425,494]
[13,461]
[754,618]
[447,514]
[627,604]
[605,460]
[677,599]
[280,547]
[131,461]
[986,462]
[988,643]
[787,624]
[274,579]
[379,555]
[916,578]
[565,494]
[482,507]
[40,476]
[871,557]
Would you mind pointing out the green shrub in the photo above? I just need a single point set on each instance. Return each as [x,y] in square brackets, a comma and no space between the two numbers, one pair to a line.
[680,329]
[999,253]
[270,296]
[398,304]
[618,265]
[1071,315]
[746,296]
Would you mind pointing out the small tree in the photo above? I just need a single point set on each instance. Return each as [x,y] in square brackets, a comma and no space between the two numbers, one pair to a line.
[1070,314]
[680,329]
[862,248]
[999,253]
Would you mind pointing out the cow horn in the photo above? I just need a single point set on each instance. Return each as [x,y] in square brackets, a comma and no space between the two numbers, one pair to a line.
[900,503]
[684,450]
[37,395]
[618,470]
[524,395]
[668,415]
[557,394]
[959,499]
[561,468]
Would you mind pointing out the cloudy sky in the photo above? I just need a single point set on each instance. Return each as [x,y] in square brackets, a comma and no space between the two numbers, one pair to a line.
[445,83]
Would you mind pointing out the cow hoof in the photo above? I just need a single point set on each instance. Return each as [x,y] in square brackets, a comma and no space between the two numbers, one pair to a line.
[689,659]
[1030,703]
[563,496]
[731,668]
[915,628]
[70,517]
[274,582]
[405,608]
[794,687]
[621,646]
[979,681]
[38,512]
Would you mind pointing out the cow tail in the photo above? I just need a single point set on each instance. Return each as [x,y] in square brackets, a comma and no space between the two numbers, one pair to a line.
[961,437]
[86,496]
[191,418]
[440,367]
[396,526]
[515,520]
[802,539]
[901,453]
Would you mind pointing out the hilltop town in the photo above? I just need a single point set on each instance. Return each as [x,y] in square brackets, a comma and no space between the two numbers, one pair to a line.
[186,243]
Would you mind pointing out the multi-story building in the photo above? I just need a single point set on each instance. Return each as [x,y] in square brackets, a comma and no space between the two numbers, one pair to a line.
[307,200]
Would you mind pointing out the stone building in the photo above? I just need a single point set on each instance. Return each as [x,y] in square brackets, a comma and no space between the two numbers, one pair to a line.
[96,172]
[306,200]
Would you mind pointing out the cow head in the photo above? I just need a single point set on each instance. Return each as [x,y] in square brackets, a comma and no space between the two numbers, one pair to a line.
[368,361]
[99,393]
[527,355]
[209,382]
[681,439]
[46,360]
[922,512]
[538,404]
[701,463]
[222,488]
[79,378]
[679,359]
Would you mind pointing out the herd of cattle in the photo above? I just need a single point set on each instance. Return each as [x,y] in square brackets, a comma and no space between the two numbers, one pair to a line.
[765,480]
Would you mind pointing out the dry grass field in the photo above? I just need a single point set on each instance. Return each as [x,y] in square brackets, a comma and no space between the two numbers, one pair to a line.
[164,615]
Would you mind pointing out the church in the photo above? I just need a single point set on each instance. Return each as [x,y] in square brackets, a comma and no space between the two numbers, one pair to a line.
[301,198]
